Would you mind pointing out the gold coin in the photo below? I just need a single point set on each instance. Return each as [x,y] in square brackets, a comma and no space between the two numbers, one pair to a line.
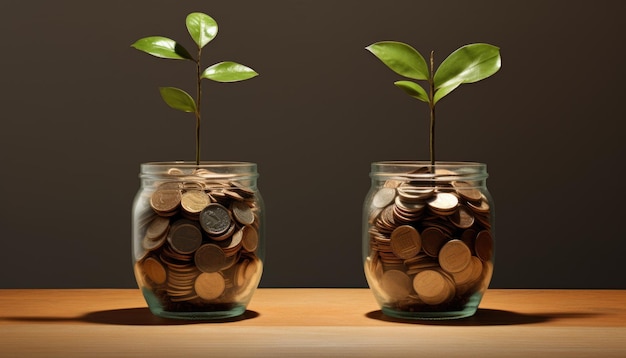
[250,240]
[465,276]
[157,228]
[433,287]
[484,245]
[193,201]
[209,286]
[232,247]
[154,270]
[384,197]
[444,202]
[411,193]
[432,240]
[396,284]
[242,212]
[153,244]
[210,258]
[405,241]
[185,237]
[165,200]
[454,256]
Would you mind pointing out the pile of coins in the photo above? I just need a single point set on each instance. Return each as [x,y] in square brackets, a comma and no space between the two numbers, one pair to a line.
[199,243]
[430,244]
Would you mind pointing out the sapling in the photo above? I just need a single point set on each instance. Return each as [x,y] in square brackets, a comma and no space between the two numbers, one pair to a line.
[468,64]
[202,28]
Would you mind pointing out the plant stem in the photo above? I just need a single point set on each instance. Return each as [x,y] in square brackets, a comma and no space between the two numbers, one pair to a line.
[198,103]
[431,104]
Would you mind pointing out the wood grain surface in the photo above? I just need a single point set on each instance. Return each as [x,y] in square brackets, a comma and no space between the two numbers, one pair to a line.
[312,322]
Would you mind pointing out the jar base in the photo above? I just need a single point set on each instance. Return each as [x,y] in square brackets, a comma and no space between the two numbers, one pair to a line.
[464,311]
[429,316]
[198,316]
[219,313]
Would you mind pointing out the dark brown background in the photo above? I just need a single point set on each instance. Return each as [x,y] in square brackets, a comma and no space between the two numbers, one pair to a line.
[80,110]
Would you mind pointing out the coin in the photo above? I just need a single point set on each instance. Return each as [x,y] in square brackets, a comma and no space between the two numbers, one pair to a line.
[477,269]
[164,200]
[228,233]
[467,190]
[462,218]
[242,212]
[444,202]
[383,197]
[215,219]
[481,206]
[465,276]
[454,256]
[396,284]
[410,193]
[432,287]
[432,241]
[185,237]
[242,189]
[210,258]
[193,201]
[157,227]
[250,240]
[209,286]
[484,245]
[468,236]
[153,244]
[405,241]
[154,270]
[233,245]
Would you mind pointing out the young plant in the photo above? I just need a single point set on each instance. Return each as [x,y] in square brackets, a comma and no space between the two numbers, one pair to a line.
[202,29]
[468,64]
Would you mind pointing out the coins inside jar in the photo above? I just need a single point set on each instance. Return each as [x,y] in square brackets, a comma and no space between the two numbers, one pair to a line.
[201,242]
[431,243]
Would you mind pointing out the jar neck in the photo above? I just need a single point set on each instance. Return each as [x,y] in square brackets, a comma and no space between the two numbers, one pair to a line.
[241,172]
[423,173]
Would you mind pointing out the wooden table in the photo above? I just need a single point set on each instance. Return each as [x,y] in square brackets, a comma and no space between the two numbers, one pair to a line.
[312,322]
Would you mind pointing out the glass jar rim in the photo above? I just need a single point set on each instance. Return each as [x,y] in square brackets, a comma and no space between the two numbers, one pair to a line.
[424,170]
[205,169]
[203,164]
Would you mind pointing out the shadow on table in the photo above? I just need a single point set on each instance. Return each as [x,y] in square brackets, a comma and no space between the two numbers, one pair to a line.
[484,317]
[140,316]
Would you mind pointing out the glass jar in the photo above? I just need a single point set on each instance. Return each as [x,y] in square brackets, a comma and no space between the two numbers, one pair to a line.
[428,238]
[197,237]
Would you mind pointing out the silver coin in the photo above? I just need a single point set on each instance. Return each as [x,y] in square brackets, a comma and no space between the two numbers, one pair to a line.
[215,219]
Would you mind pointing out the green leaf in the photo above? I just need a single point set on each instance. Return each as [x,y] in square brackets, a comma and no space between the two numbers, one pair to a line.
[162,47]
[442,91]
[201,27]
[413,89]
[401,58]
[468,64]
[178,99]
[228,72]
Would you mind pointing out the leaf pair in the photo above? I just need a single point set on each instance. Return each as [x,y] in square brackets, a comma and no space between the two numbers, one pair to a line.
[468,64]
[202,28]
